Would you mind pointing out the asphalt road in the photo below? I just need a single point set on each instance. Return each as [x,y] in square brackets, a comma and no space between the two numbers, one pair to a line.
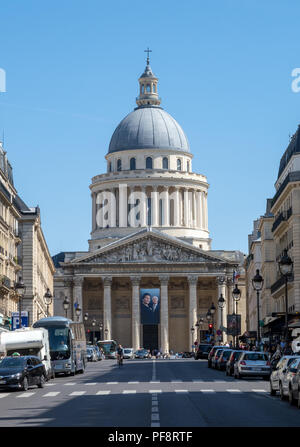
[148,393]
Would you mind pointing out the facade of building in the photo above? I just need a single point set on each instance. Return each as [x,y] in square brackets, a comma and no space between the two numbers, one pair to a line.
[149,237]
[23,252]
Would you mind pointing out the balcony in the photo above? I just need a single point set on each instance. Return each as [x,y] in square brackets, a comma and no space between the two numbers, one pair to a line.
[283,217]
[280,282]
[5,284]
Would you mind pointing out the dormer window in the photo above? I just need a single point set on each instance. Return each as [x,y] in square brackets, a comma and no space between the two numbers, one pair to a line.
[165,163]
[132,164]
[178,164]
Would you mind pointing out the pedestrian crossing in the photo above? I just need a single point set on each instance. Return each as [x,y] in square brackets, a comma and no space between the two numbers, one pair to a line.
[77,393]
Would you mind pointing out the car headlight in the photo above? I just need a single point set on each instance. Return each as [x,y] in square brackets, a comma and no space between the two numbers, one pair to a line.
[16,376]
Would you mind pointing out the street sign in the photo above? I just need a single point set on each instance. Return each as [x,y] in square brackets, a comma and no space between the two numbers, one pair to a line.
[15,319]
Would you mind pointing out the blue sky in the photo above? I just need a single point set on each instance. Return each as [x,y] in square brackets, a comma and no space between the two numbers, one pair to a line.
[224,70]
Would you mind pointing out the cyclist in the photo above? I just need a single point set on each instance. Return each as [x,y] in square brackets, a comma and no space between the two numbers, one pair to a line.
[120,355]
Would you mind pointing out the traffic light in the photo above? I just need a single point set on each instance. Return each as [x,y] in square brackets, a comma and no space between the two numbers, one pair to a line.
[210,328]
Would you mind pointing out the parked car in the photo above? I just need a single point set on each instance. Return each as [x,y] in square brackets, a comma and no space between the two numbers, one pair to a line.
[294,388]
[212,353]
[179,355]
[223,358]
[277,375]
[216,357]
[128,353]
[202,351]
[91,354]
[21,372]
[252,363]
[141,354]
[234,357]
[284,384]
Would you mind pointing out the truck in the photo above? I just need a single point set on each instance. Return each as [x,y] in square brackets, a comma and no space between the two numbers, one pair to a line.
[29,341]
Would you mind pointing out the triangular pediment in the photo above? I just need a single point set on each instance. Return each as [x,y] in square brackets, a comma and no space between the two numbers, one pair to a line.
[149,246]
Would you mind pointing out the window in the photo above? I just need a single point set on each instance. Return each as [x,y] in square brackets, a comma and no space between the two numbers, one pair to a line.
[132,164]
[165,163]
[178,164]
[119,165]
[143,88]
[148,88]
[188,166]
[148,163]
[109,166]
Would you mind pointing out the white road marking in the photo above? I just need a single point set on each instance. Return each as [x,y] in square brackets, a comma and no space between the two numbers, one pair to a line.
[155,424]
[91,383]
[233,391]
[132,383]
[4,395]
[103,393]
[154,417]
[70,383]
[26,394]
[77,393]
[207,391]
[129,392]
[260,391]
[181,391]
[154,391]
[52,394]
[112,383]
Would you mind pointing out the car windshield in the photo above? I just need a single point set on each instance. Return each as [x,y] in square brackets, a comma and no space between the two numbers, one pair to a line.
[205,348]
[12,362]
[127,351]
[89,350]
[226,354]
[256,356]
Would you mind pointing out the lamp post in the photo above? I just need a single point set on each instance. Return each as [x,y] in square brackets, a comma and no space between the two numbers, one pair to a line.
[236,295]
[221,304]
[48,300]
[78,312]
[257,284]
[192,332]
[66,305]
[93,324]
[101,329]
[213,311]
[286,269]
[106,332]
[20,288]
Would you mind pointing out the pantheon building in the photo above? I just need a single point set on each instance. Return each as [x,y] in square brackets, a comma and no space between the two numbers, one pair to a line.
[149,274]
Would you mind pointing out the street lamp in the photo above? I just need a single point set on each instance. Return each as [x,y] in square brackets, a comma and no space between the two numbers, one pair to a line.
[192,333]
[66,305]
[20,288]
[236,295]
[257,284]
[221,304]
[101,328]
[78,311]
[93,324]
[213,311]
[48,300]
[286,269]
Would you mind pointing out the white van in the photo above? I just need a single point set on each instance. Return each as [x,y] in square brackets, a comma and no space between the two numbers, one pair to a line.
[28,341]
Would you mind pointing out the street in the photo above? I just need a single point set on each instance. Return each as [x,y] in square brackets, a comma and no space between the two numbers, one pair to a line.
[147,393]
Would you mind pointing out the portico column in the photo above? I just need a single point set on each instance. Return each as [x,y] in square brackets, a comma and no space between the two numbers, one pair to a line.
[199,210]
[94,224]
[78,283]
[107,280]
[154,207]
[164,315]
[123,206]
[192,280]
[135,312]
[68,292]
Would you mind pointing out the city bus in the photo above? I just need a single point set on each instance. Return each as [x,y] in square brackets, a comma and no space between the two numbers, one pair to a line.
[67,344]
[109,348]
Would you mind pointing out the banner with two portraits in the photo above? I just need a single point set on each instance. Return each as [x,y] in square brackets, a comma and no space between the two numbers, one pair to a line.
[150,306]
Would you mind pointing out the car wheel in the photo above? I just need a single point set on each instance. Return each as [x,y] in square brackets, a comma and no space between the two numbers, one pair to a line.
[42,382]
[291,398]
[272,391]
[25,384]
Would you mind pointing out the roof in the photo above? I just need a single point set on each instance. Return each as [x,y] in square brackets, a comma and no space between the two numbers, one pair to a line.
[148,127]
[293,148]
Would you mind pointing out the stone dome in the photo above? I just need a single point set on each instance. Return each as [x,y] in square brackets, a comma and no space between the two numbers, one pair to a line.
[148,127]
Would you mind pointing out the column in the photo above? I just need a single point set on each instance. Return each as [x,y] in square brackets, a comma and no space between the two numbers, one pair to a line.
[78,283]
[143,207]
[155,207]
[68,292]
[123,206]
[205,212]
[164,314]
[112,208]
[135,313]
[176,208]
[166,207]
[94,225]
[186,208]
[192,280]
[107,280]
[202,210]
